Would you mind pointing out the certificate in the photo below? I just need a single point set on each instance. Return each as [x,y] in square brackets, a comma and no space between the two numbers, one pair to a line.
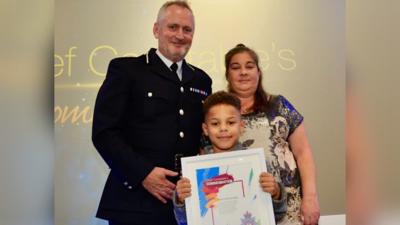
[226,189]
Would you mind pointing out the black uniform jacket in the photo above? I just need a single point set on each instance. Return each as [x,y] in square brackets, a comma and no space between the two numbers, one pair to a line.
[143,116]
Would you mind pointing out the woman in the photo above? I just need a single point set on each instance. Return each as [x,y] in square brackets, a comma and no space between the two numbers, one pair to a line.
[274,124]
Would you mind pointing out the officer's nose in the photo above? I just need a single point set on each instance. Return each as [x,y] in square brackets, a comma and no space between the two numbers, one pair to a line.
[179,34]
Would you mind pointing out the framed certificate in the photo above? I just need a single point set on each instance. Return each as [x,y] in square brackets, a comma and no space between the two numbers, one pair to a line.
[226,189]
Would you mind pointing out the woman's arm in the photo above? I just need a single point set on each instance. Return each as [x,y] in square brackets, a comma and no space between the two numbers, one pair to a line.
[298,141]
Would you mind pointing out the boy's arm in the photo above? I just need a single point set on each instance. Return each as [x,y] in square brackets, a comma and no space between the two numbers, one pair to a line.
[181,192]
[280,205]
[179,210]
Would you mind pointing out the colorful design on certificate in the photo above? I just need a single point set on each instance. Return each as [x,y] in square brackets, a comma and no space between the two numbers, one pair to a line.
[221,191]
[204,174]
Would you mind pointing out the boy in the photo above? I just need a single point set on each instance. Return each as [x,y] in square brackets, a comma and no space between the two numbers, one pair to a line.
[223,125]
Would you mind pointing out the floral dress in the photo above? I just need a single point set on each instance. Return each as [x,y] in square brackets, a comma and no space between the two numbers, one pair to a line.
[271,130]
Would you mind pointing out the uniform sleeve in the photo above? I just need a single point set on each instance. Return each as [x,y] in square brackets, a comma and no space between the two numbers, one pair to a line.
[109,121]
[292,116]
[205,142]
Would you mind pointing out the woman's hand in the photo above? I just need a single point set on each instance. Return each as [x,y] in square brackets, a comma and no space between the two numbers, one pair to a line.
[309,210]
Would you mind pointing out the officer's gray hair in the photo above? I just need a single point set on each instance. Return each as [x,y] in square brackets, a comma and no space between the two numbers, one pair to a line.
[180,3]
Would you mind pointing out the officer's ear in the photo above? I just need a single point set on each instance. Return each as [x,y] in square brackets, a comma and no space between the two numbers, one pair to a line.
[205,128]
[156,29]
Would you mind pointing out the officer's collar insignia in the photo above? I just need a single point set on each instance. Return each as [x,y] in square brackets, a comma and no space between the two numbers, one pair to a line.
[198,91]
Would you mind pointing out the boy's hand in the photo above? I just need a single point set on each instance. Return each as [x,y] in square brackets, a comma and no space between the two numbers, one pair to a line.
[183,189]
[268,184]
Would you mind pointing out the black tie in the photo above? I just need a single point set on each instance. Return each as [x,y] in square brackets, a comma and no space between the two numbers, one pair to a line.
[174,68]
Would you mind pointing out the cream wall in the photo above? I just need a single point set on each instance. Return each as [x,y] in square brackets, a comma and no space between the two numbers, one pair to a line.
[302,51]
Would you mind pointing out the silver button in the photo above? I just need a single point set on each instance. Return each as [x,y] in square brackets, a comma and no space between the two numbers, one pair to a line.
[125,183]
[129,187]
[181,112]
[182,90]
[181,134]
[149,94]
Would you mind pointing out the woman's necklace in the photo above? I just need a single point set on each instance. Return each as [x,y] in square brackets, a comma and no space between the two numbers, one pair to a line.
[246,108]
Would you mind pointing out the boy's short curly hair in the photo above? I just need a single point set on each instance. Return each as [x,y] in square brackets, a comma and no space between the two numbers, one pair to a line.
[221,98]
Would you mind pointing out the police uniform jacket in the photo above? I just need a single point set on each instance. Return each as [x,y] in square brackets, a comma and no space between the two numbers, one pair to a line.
[144,115]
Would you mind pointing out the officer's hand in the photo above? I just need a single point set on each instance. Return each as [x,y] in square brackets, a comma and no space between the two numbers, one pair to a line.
[158,185]
[183,189]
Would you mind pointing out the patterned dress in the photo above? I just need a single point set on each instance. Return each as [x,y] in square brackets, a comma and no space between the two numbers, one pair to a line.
[271,131]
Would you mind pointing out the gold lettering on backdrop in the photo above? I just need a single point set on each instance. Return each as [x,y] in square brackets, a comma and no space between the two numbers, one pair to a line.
[94,53]
[72,115]
[57,113]
[69,56]
[212,61]
[264,59]
[59,65]
[59,62]
[284,54]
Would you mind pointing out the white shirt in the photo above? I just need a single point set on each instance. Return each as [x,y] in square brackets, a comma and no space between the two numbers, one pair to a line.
[169,63]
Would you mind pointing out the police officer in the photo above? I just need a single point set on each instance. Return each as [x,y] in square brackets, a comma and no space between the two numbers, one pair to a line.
[148,114]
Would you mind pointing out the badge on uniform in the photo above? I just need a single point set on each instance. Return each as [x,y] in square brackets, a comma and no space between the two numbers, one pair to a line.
[198,91]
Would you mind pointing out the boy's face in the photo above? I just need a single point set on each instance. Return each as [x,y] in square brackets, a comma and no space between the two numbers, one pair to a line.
[223,126]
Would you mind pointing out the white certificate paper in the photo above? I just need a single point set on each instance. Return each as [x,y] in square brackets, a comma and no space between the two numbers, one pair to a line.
[226,189]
